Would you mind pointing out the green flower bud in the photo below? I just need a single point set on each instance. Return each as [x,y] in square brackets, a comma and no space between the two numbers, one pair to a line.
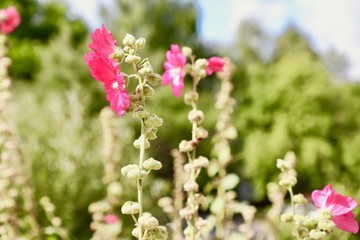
[325,214]
[137,144]
[129,40]
[154,79]
[127,168]
[154,121]
[186,146]
[303,232]
[157,233]
[299,199]
[310,223]
[288,181]
[140,114]
[140,43]
[150,133]
[148,222]
[118,54]
[287,217]
[135,232]
[282,165]
[326,225]
[191,98]
[316,234]
[186,51]
[152,164]
[130,207]
[148,91]
[137,174]
[132,59]
[196,116]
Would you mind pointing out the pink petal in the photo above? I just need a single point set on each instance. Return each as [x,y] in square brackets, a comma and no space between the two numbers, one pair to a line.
[215,64]
[340,204]
[346,222]
[12,20]
[103,42]
[320,196]
[102,68]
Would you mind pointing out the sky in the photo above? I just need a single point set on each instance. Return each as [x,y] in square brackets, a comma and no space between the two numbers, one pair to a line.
[328,24]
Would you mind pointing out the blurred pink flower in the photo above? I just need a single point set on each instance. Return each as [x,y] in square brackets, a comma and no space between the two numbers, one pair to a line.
[111,219]
[340,206]
[103,42]
[215,64]
[9,19]
[102,68]
[174,69]
[117,95]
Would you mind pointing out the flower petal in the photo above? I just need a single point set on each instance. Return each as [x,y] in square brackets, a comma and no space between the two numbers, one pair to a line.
[346,222]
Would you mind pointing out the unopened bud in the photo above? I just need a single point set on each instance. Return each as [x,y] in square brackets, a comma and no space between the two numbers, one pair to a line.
[299,199]
[154,121]
[201,133]
[137,143]
[326,225]
[310,223]
[288,181]
[287,217]
[125,170]
[201,162]
[185,212]
[154,79]
[132,59]
[152,164]
[192,186]
[137,173]
[129,40]
[115,189]
[148,91]
[186,146]
[130,207]
[196,116]
[325,214]
[191,97]
[282,165]
[135,232]
[186,51]
[118,54]
[148,221]
[316,234]
[140,43]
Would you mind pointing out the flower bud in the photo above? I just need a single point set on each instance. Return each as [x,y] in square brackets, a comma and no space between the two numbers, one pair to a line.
[125,170]
[140,114]
[186,146]
[118,54]
[288,181]
[154,121]
[282,165]
[325,214]
[186,51]
[152,164]
[129,40]
[115,189]
[140,43]
[135,232]
[299,199]
[150,133]
[137,143]
[154,79]
[148,91]
[191,98]
[316,234]
[132,59]
[130,207]
[326,225]
[185,212]
[201,162]
[148,221]
[196,116]
[191,186]
[137,173]
[201,133]
[310,223]
[287,217]
[146,70]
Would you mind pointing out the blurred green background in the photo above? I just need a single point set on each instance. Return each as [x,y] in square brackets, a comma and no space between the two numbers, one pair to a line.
[293,99]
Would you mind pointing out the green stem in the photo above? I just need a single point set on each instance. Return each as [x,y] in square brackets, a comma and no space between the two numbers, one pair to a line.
[140,181]
[294,210]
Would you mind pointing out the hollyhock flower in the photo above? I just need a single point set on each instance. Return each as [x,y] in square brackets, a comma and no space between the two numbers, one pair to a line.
[340,206]
[174,69]
[106,71]
[215,64]
[103,42]
[9,19]
[111,219]
[117,95]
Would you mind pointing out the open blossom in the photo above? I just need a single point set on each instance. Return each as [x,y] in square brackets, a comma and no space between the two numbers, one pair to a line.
[340,206]
[215,64]
[9,20]
[117,95]
[102,68]
[174,69]
[103,42]
[111,219]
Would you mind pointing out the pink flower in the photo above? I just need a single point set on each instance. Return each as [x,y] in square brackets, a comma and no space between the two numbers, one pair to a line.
[340,206]
[111,219]
[102,68]
[174,69]
[117,95]
[106,71]
[103,42]
[215,64]
[9,20]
